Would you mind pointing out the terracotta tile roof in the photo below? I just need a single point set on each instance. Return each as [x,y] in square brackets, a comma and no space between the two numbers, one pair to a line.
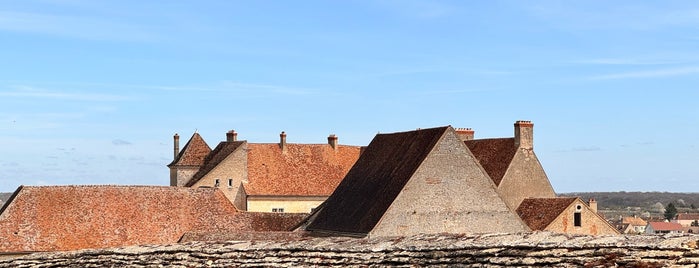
[212,160]
[76,217]
[494,155]
[375,180]
[665,226]
[302,170]
[263,226]
[687,216]
[538,213]
[634,221]
[193,152]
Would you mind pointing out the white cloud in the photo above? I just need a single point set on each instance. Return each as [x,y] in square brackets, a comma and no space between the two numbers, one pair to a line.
[23,91]
[649,74]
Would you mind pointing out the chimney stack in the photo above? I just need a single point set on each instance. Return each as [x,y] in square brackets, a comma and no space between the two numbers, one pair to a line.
[176,139]
[231,136]
[524,134]
[465,134]
[593,205]
[332,140]
[282,140]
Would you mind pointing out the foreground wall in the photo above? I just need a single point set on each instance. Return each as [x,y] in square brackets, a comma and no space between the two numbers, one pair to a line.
[495,250]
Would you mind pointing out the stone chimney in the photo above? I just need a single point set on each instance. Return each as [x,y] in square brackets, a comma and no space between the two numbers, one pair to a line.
[282,140]
[524,134]
[231,136]
[176,139]
[593,205]
[465,134]
[332,140]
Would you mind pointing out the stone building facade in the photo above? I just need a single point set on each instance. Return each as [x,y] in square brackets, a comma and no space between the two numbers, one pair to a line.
[564,215]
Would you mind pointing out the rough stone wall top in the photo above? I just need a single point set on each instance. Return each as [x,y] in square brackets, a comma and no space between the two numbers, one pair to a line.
[539,249]
[299,170]
[75,217]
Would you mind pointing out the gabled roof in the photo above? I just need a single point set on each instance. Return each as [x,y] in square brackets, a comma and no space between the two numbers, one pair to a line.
[634,221]
[49,218]
[494,155]
[301,170]
[193,152]
[222,150]
[687,216]
[373,183]
[538,213]
[665,226]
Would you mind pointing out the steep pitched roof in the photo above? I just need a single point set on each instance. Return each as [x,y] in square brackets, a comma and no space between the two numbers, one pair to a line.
[375,180]
[193,153]
[222,150]
[302,169]
[665,226]
[75,217]
[494,155]
[538,213]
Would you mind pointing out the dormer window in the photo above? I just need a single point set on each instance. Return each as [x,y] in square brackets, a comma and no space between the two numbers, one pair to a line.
[216,182]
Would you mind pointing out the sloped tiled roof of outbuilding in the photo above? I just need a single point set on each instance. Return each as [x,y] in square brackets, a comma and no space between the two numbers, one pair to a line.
[375,180]
[214,158]
[263,226]
[635,221]
[687,216]
[494,155]
[193,153]
[49,218]
[665,226]
[301,170]
[538,213]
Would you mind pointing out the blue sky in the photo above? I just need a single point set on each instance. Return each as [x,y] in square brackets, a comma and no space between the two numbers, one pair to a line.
[91,92]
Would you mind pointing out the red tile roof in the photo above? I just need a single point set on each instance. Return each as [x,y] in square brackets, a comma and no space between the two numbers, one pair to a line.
[494,155]
[688,216]
[538,213]
[634,221]
[193,152]
[301,170]
[375,180]
[214,158]
[665,226]
[76,217]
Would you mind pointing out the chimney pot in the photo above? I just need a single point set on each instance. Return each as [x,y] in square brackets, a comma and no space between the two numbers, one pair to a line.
[465,134]
[332,140]
[282,140]
[524,134]
[231,136]
[176,145]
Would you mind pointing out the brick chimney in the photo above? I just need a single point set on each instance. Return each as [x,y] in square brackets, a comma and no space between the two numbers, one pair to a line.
[176,139]
[524,134]
[231,136]
[465,134]
[593,205]
[282,140]
[332,140]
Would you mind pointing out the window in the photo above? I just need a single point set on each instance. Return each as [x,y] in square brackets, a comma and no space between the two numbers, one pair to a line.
[216,183]
[230,182]
[278,210]
[577,219]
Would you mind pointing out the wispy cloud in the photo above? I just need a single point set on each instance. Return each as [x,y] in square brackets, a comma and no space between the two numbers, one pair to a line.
[23,91]
[119,142]
[581,149]
[422,9]
[621,61]
[91,28]
[649,74]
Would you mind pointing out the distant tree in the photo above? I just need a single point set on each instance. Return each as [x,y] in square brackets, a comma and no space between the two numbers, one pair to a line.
[670,211]
[692,206]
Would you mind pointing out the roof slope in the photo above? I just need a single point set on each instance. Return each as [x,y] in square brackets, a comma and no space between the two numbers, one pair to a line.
[222,150]
[634,221]
[375,180]
[538,213]
[302,169]
[193,153]
[494,155]
[75,217]
[687,216]
[665,226]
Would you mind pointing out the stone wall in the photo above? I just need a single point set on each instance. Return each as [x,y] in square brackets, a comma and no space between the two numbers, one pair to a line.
[492,250]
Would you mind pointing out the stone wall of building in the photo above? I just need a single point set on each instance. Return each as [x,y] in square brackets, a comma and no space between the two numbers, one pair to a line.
[590,222]
[448,193]
[234,168]
[493,250]
[292,204]
[524,179]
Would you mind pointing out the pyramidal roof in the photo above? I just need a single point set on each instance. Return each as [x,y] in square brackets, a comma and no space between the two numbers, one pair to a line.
[193,153]
[494,155]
